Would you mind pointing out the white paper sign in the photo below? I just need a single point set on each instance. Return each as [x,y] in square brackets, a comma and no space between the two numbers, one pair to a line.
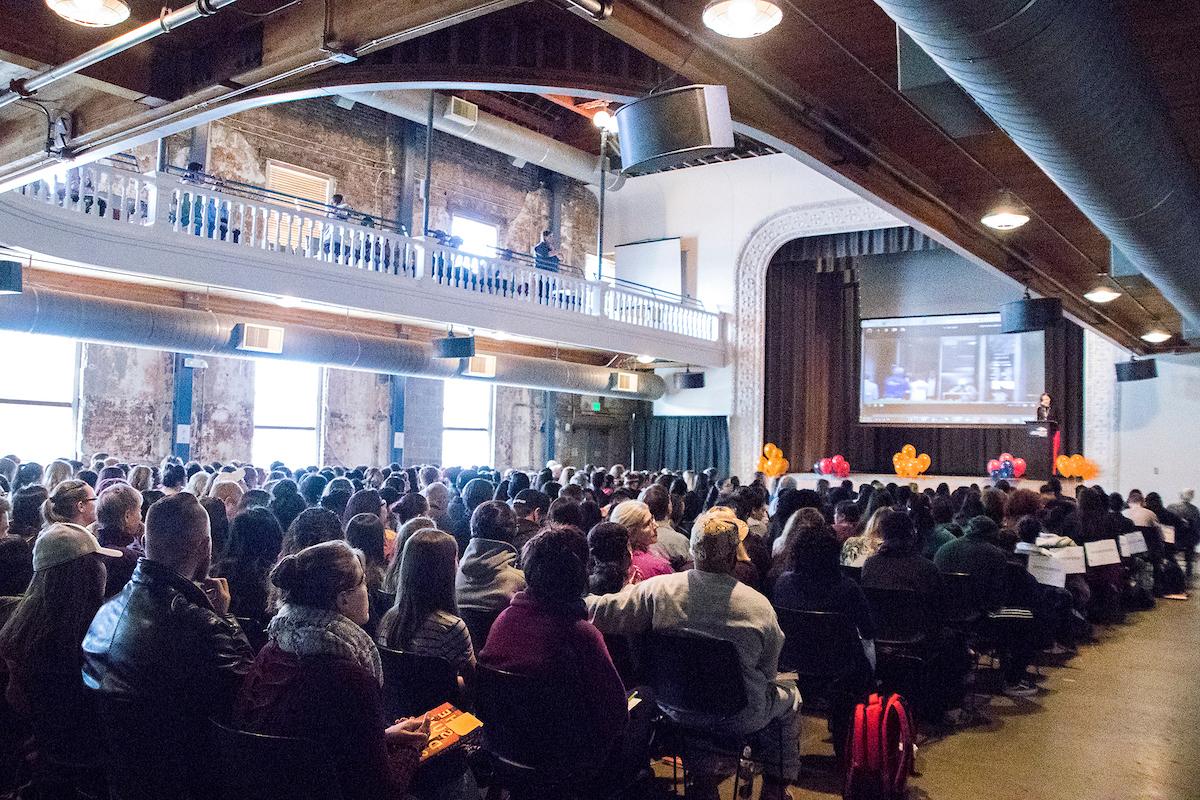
[1168,533]
[1047,570]
[1132,543]
[1102,553]
[1070,559]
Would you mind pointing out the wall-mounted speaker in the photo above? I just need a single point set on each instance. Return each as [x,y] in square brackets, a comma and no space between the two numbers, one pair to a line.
[1141,370]
[689,380]
[674,126]
[454,347]
[1029,314]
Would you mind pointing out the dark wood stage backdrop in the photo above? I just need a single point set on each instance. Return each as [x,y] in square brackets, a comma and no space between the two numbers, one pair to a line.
[812,363]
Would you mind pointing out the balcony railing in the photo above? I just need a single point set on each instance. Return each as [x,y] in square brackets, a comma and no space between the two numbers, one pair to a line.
[179,208]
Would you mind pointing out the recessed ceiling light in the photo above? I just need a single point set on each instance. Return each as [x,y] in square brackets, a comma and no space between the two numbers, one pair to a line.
[742,19]
[1156,336]
[1008,214]
[646,359]
[1102,294]
[91,13]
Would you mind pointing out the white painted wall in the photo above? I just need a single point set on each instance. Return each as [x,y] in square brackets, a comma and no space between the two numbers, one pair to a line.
[713,209]
[1158,436]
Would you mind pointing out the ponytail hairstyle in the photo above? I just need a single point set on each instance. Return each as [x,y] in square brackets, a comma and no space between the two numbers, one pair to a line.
[317,575]
[60,505]
[608,558]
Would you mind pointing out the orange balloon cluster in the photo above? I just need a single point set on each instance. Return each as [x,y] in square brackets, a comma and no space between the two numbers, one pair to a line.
[1077,466]
[772,463]
[908,463]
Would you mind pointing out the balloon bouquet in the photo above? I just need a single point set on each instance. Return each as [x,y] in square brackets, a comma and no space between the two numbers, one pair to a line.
[908,464]
[772,463]
[836,465]
[1077,466]
[1006,466]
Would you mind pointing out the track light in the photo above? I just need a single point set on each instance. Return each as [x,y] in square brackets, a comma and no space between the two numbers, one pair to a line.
[1007,215]
[741,19]
[91,13]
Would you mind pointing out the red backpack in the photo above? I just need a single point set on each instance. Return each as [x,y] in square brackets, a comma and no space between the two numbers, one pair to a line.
[879,755]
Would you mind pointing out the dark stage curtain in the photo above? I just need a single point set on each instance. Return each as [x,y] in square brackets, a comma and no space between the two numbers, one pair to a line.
[812,357]
[682,443]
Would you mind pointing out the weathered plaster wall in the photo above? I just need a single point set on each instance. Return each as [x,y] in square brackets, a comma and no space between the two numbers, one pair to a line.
[125,402]
[422,421]
[357,418]
[519,435]
[223,409]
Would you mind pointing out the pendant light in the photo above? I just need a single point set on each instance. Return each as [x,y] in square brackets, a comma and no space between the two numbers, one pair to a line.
[91,13]
[742,19]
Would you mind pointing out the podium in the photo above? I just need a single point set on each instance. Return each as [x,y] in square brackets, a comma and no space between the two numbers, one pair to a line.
[1039,459]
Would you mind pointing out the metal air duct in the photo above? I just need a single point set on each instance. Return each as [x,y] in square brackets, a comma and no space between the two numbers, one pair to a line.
[493,133]
[184,330]
[1064,81]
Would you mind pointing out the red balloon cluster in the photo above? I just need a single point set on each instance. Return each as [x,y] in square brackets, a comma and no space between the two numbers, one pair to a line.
[1006,466]
[833,465]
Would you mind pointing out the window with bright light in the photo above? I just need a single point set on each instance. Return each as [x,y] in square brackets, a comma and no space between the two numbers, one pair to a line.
[606,272]
[37,396]
[478,238]
[467,423]
[287,410]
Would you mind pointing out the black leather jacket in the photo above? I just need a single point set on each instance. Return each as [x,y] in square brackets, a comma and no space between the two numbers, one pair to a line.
[163,662]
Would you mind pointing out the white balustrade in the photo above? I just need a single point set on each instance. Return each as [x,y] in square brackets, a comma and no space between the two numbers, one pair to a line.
[200,211]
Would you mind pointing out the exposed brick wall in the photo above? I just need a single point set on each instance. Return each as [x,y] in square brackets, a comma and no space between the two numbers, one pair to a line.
[357,418]
[125,402]
[422,421]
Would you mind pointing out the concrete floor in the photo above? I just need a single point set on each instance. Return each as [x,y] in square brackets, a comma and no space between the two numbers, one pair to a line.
[1119,721]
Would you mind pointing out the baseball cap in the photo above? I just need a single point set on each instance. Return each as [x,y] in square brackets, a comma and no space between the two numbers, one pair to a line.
[63,542]
[529,499]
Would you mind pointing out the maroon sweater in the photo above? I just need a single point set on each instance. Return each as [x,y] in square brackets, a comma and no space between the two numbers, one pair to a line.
[334,702]
[558,645]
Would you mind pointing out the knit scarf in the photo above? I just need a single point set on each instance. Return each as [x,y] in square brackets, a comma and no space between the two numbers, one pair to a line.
[309,631]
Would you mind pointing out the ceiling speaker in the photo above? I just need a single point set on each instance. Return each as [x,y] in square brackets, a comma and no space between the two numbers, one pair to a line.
[1029,314]
[671,127]
[454,347]
[1142,370]
[689,380]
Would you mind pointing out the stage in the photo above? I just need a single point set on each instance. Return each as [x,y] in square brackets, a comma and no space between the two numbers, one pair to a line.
[808,480]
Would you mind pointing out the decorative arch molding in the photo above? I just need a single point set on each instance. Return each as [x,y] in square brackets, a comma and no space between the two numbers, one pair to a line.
[750,293]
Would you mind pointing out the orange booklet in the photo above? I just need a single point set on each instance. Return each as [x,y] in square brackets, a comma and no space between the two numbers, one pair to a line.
[447,727]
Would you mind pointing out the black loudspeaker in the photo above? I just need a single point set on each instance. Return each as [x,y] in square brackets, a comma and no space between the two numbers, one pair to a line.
[671,127]
[1029,314]
[454,347]
[689,380]
[1142,370]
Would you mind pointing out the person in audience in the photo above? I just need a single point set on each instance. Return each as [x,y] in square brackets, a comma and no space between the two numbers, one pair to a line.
[174,478]
[255,539]
[26,518]
[319,676]
[814,582]
[669,545]
[636,518]
[1186,541]
[425,618]
[897,565]
[410,506]
[164,656]
[218,520]
[57,472]
[392,576]
[545,634]
[312,486]
[610,559]
[488,576]
[40,647]
[119,526]
[531,508]
[545,254]
[977,554]
[437,494]
[229,493]
[70,501]
[365,533]
[16,568]
[566,511]
[709,599]
[141,478]
[857,549]
[313,526]
[846,517]
[197,484]
[475,492]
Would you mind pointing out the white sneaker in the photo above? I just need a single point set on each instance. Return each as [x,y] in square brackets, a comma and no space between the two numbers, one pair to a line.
[1025,688]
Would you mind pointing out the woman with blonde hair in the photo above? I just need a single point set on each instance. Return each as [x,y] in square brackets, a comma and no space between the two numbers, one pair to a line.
[56,473]
[141,478]
[198,484]
[857,549]
[71,501]
[643,532]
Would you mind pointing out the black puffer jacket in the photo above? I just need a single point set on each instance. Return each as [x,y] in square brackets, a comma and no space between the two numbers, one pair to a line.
[163,662]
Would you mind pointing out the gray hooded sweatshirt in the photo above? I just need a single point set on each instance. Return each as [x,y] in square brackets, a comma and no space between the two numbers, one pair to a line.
[487,575]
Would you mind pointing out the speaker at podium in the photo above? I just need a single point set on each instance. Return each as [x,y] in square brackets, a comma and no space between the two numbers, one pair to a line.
[1039,461]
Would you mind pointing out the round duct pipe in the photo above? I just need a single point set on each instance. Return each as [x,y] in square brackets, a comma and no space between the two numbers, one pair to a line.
[1063,80]
[184,330]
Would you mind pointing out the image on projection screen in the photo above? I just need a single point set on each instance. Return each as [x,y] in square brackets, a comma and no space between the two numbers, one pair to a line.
[949,370]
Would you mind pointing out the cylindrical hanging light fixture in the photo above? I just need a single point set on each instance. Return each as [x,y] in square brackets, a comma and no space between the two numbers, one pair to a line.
[742,19]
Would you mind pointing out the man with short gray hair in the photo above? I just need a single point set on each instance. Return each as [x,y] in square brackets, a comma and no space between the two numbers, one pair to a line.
[708,599]
[119,525]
